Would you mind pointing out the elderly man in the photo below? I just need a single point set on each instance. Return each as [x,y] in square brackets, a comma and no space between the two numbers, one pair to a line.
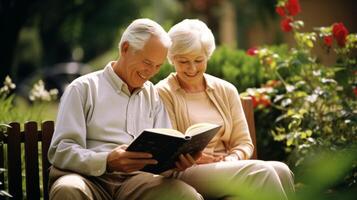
[100,113]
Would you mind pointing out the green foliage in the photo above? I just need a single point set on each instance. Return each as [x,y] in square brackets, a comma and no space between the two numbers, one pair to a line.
[317,103]
[323,174]
[3,192]
[236,67]
[16,109]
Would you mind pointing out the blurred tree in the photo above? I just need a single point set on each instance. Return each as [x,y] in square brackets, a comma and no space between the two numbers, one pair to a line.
[92,26]
[249,12]
[206,10]
[68,29]
[13,16]
[246,13]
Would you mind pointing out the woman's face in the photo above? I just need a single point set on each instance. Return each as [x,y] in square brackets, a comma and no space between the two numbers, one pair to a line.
[190,67]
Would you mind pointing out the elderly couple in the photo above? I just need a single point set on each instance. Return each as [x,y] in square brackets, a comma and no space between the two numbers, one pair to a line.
[102,112]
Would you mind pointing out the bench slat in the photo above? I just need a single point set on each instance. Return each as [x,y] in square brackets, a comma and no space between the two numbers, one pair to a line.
[31,157]
[14,166]
[47,132]
[247,104]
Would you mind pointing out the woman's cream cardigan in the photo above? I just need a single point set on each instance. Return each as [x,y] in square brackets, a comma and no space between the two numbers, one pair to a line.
[225,97]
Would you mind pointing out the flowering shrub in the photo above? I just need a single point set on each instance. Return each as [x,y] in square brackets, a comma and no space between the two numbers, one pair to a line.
[287,10]
[39,96]
[317,103]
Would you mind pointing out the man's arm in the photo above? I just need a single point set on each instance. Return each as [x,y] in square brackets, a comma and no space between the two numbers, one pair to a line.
[68,146]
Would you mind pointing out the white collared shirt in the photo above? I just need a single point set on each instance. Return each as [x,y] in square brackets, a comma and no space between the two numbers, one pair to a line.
[96,114]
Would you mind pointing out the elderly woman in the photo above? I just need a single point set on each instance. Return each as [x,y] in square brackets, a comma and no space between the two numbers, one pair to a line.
[192,96]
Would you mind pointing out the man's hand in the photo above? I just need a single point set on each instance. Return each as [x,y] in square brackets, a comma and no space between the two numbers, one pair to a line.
[124,161]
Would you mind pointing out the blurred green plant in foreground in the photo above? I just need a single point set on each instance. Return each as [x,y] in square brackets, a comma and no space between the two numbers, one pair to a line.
[319,173]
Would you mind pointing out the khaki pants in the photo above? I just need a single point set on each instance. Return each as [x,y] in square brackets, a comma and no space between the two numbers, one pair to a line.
[247,179]
[67,185]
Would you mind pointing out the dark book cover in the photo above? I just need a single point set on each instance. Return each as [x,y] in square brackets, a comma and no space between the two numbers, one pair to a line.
[166,148]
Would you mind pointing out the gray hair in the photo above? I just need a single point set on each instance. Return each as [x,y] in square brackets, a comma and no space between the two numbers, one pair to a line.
[140,30]
[190,35]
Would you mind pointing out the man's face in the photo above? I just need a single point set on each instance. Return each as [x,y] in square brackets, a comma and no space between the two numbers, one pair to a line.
[143,64]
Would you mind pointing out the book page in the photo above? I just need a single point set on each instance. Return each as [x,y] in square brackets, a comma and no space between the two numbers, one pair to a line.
[199,128]
[166,131]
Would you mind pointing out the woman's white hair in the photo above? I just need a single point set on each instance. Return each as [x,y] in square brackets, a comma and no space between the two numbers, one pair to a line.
[140,30]
[190,35]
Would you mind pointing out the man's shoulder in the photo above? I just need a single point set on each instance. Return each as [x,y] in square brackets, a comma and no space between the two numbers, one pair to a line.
[86,79]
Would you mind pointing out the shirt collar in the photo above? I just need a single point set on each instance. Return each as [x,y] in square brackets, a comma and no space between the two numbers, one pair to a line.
[173,82]
[118,84]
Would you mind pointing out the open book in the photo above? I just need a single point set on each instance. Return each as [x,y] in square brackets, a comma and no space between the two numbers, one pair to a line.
[167,144]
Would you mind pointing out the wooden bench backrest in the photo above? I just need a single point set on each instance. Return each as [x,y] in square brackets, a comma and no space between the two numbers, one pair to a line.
[248,108]
[31,137]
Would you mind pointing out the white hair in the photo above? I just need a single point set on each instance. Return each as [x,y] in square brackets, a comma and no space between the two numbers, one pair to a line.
[190,35]
[140,31]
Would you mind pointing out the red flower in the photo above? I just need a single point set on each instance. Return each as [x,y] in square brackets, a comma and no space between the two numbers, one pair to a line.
[255,102]
[293,7]
[252,51]
[328,40]
[340,32]
[355,91]
[280,10]
[265,101]
[285,24]
[260,100]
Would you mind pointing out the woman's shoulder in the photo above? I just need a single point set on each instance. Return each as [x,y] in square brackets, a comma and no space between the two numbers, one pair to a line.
[218,83]
[167,83]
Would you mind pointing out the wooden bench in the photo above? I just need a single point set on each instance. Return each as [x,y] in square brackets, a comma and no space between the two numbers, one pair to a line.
[35,141]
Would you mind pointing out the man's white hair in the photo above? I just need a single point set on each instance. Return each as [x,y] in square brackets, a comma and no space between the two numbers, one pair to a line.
[190,35]
[140,31]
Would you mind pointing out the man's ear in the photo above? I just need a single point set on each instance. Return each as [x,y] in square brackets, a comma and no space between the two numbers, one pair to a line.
[124,48]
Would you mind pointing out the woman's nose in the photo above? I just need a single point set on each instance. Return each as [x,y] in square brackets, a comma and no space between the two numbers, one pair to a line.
[192,66]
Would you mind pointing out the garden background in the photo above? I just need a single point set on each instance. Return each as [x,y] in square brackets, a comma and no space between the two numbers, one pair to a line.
[296,59]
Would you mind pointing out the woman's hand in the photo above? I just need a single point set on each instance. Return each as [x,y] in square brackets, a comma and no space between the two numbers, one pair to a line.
[124,161]
[185,161]
[207,158]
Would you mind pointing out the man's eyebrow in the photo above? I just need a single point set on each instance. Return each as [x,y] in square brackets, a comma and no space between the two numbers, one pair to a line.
[151,62]
[147,60]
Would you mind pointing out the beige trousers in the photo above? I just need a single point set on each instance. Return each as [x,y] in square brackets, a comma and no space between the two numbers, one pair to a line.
[247,179]
[146,186]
